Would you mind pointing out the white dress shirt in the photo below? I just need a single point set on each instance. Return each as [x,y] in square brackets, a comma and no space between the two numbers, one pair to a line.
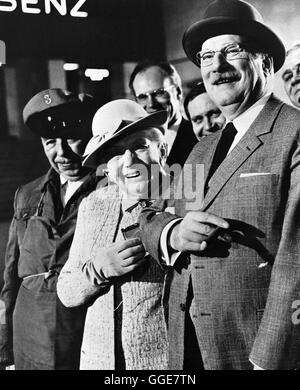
[68,188]
[243,122]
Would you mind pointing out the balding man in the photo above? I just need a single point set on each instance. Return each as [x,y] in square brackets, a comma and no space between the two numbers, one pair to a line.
[291,75]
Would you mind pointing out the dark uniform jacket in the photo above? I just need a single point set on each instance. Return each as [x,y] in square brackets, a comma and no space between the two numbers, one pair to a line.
[36,330]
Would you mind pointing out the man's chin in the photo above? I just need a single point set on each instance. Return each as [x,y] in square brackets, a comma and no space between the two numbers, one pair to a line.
[72,175]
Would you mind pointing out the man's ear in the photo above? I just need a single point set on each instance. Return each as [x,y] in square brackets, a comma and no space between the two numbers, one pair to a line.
[267,64]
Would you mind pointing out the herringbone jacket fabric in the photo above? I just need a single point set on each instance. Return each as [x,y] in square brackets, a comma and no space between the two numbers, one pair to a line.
[246,294]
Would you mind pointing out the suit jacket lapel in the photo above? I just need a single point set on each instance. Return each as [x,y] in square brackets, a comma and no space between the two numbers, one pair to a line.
[250,142]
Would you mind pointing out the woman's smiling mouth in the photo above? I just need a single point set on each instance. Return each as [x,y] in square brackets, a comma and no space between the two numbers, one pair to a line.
[132,175]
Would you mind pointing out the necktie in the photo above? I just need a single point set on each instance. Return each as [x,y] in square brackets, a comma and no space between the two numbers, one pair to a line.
[227,137]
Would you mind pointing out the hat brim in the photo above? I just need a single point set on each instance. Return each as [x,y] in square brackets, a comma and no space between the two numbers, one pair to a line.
[95,149]
[73,114]
[266,39]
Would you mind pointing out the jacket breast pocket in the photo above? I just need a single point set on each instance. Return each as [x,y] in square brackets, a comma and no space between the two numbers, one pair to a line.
[22,217]
[259,181]
[259,188]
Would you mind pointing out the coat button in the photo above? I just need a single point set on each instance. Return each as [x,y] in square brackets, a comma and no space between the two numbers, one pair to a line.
[182,306]
[199,267]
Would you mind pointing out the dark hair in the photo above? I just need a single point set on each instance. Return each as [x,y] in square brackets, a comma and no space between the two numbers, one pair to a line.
[164,66]
[196,90]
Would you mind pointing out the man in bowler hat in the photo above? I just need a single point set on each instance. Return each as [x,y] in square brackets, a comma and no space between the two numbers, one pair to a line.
[36,331]
[234,296]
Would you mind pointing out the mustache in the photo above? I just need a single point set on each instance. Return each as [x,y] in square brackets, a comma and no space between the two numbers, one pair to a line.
[66,161]
[224,77]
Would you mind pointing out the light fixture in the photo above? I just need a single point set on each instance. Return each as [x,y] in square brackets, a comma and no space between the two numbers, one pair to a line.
[70,66]
[96,74]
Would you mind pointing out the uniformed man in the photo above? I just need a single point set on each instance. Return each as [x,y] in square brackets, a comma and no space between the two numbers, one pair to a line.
[36,331]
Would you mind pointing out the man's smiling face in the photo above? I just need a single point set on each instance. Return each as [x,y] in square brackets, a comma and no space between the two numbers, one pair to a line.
[291,76]
[236,82]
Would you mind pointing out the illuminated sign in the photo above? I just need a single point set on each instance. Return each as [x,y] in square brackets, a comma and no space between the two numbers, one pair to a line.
[50,6]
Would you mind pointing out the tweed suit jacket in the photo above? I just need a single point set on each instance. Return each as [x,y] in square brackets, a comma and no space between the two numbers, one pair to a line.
[246,295]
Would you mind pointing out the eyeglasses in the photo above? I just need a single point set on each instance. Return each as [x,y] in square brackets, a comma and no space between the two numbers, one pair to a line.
[230,52]
[160,95]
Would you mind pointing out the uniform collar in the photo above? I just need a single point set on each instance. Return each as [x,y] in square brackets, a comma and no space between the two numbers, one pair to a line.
[63,180]
[52,177]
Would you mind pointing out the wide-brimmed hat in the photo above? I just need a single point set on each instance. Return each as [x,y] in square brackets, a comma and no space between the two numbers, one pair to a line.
[113,121]
[56,112]
[233,17]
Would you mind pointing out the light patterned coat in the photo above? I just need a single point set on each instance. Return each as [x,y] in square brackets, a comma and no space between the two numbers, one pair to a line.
[138,320]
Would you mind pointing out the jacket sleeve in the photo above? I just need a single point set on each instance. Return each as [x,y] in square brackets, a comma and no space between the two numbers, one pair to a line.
[153,220]
[77,285]
[9,292]
[277,344]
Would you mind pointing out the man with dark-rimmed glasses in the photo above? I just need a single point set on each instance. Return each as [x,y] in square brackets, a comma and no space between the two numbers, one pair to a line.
[157,86]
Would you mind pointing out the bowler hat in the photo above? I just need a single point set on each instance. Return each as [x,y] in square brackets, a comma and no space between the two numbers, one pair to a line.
[56,112]
[115,120]
[233,17]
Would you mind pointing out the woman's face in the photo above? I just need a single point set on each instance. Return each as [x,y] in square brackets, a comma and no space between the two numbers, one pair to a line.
[134,161]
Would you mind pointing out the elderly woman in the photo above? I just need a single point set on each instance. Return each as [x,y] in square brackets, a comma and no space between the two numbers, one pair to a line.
[125,325]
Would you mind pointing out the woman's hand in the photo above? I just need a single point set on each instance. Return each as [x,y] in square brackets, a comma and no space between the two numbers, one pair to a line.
[120,258]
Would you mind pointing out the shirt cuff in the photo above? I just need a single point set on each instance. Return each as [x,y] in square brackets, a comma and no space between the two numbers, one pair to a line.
[255,365]
[169,256]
